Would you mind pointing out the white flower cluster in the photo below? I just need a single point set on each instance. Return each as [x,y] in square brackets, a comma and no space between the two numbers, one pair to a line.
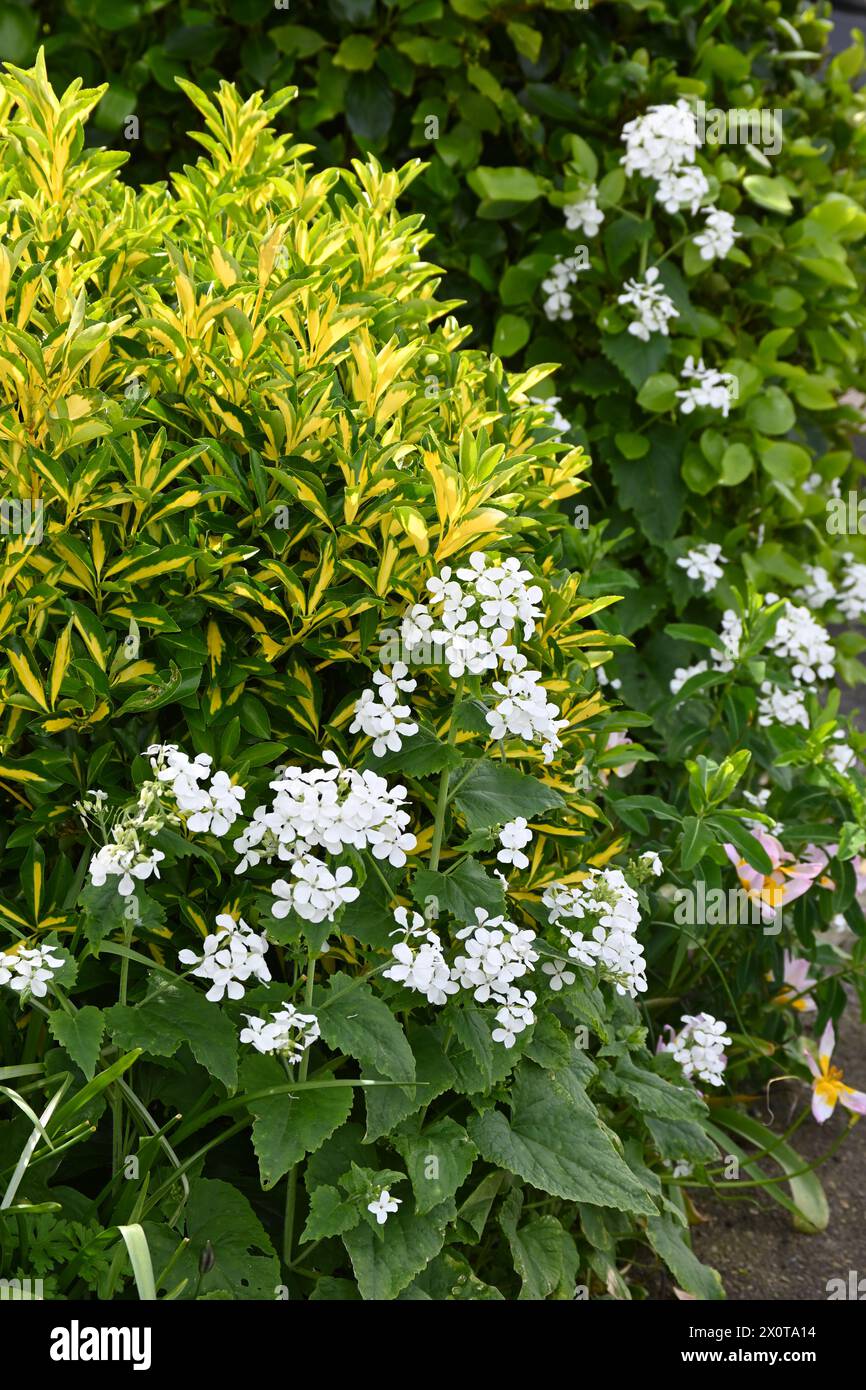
[514,837]
[778,706]
[525,712]
[819,589]
[288,1032]
[319,892]
[663,145]
[480,607]
[211,809]
[704,562]
[29,970]
[803,642]
[584,215]
[712,389]
[232,955]
[563,274]
[686,188]
[126,859]
[497,953]
[653,307]
[719,237]
[852,595]
[699,1047]
[380,715]
[849,596]
[420,966]
[174,797]
[329,808]
[608,907]
[661,141]
[722,657]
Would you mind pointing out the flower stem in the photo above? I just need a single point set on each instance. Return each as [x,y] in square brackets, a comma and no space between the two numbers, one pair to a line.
[444,778]
[292,1182]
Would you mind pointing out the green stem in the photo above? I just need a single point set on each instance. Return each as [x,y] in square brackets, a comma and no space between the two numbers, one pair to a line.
[117,1098]
[444,777]
[292,1182]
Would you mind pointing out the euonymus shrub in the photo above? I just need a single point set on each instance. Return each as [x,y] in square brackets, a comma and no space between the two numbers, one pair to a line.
[293,840]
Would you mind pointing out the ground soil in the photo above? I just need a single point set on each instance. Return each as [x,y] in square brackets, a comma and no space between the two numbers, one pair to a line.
[753,1244]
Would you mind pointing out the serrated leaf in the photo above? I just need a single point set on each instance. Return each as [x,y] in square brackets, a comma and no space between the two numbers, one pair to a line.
[288,1127]
[174,1014]
[494,794]
[353,1019]
[555,1141]
[80,1034]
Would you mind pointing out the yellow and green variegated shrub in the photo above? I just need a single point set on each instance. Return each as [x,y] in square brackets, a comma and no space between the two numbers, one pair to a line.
[246,421]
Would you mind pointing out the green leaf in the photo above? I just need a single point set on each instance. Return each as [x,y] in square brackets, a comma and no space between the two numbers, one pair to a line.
[353,1019]
[288,1127]
[173,1014]
[493,794]
[513,185]
[386,1261]
[81,1035]
[510,335]
[768,193]
[771,412]
[658,393]
[545,1257]
[330,1214]
[737,464]
[811,1211]
[556,1141]
[697,839]
[750,848]
[669,1242]
[789,463]
[652,1094]
[420,756]
[479,1062]
[434,1074]
[460,890]
[357,52]
[631,446]
[245,1265]
[438,1160]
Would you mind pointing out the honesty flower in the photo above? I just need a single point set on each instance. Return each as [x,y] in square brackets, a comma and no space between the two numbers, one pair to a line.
[686,188]
[704,562]
[661,141]
[653,307]
[513,837]
[288,1032]
[713,390]
[126,860]
[319,893]
[384,1205]
[719,237]
[778,706]
[584,215]
[380,715]
[787,881]
[828,1087]
[29,970]
[514,1016]
[698,1047]
[230,957]
[559,974]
